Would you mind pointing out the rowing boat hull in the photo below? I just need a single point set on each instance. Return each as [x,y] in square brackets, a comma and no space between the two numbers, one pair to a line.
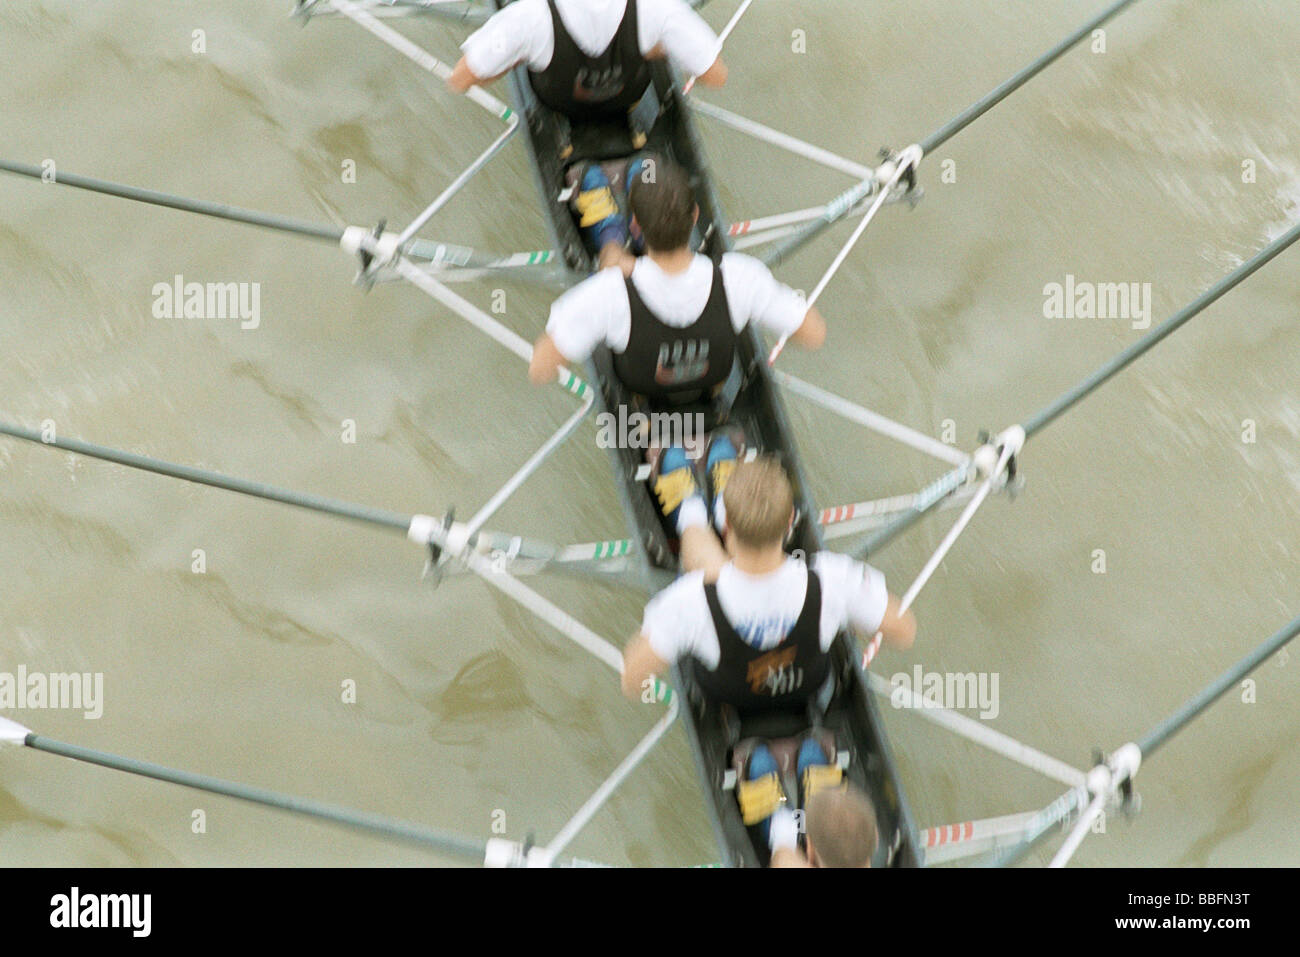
[853,713]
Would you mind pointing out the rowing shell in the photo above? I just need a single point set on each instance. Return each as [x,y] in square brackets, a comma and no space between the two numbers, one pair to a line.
[852,716]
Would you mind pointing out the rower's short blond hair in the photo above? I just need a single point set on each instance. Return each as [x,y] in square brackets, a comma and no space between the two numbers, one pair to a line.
[841,826]
[760,502]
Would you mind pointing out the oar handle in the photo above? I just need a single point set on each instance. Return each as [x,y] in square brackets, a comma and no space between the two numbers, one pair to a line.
[722,39]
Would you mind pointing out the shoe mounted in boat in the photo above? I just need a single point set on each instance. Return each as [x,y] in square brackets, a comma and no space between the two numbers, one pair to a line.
[815,770]
[672,477]
[760,792]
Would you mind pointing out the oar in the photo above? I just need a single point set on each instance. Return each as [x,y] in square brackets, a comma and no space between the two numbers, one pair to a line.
[888,176]
[722,39]
[493,852]
[203,207]
[397,831]
[839,207]
[1068,400]
[1119,771]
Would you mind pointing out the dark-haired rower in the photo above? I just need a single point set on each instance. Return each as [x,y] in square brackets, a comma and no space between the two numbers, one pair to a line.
[672,323]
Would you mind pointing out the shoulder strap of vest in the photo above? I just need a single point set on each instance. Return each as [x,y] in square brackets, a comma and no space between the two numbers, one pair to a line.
[629,22]
[812,602]
[717,288]
[720,619]
[633,297]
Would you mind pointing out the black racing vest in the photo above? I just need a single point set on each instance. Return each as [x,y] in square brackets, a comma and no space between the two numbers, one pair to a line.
[781,678]
[663,361]
[586,87]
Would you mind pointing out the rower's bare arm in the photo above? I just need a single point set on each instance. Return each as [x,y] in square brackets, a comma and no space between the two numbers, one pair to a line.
[462,77]
[614,254]
[701,550]
[788,857]
[640,663]
[899,631]
[714,76]
[811,333]
[546,362]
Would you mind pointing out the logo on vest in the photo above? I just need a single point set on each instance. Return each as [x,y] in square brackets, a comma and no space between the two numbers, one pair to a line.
[682,361]
[593,84]
[774,673]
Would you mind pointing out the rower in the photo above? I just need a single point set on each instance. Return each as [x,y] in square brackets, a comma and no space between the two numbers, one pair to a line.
[590,58]
[757,626]
[673,319]
[757,623]
[840,831]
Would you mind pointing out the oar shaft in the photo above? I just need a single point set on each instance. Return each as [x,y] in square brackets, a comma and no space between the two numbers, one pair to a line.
[1046,416]
[1041,825]
[1015,82]
[953,533]
[722,38]
[1116,365]
[1166,729]
[284,224]
[906,161]
[951,128]
[927,500]
[355,820]
[317,503]
[1063,807]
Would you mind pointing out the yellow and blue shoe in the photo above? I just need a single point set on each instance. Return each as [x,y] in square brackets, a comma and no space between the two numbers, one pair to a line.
[673,480]
[761,793]
[815,771]
[719,462]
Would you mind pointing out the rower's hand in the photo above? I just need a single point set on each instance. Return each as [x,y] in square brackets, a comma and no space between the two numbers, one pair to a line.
[898,627]
[462,77]
[547,361]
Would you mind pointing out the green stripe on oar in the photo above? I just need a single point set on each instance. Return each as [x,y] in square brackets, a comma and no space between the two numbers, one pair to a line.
[575,385]
[611,549]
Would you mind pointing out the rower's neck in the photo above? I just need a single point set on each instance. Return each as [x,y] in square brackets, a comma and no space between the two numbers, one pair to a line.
[758,561]
[673,261]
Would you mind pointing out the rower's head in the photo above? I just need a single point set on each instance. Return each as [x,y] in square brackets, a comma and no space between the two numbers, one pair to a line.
[663,204]
[841,825]
[760,504]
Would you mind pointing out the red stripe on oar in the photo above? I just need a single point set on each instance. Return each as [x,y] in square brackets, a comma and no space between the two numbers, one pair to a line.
[739,229]
[871,649]
[841,513]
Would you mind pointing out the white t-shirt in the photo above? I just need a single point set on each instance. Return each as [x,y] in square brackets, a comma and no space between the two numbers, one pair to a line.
[597,310]
[522,33]
[763,608]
